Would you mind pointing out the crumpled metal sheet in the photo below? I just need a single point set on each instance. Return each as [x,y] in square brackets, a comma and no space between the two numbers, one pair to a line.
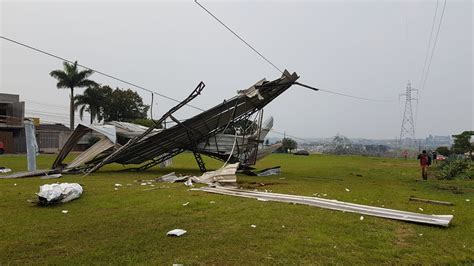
[171,178]
[440,220]
[59,192]
[225,174]
[270,171]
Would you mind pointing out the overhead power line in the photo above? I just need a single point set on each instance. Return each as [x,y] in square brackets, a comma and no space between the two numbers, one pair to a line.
[47,104]
[434,47]
[240,38]
[429,44]
[277,68]
[96,71]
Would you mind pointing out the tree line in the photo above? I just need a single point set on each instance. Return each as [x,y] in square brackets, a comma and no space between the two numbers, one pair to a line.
[102,102]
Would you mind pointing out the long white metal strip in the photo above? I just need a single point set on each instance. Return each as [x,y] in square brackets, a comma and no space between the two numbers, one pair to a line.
[441,220]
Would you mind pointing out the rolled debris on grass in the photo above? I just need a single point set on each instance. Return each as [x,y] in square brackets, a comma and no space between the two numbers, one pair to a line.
[59,193]
[4,170]
[440,220]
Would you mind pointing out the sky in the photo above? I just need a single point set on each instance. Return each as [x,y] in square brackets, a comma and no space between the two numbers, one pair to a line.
[369,49]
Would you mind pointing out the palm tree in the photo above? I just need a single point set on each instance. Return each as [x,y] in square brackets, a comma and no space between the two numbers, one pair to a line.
[93,100]
[71,78]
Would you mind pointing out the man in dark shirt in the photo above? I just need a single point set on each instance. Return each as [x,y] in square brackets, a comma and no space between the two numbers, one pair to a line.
[434,156]
[425,161]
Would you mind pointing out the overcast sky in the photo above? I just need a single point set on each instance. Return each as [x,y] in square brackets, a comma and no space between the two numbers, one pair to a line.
[364,48]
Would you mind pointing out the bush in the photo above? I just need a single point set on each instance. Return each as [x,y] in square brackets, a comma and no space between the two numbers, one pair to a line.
[443,151]
[455,168]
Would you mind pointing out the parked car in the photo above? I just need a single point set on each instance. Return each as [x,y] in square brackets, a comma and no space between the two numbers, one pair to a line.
[440,157]
[302,152]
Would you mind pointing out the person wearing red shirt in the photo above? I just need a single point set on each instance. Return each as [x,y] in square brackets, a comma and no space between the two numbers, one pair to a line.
[425,161]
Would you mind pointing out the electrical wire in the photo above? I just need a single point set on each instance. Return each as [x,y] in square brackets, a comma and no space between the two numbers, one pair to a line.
[434,47]
[341,94]
[46,104]
[240,38]
[429,64]
[277,68]
[96,71]
[429,44]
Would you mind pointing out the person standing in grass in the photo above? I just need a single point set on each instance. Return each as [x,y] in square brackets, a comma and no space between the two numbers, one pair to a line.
[405,154]
[434,157]
[425,161]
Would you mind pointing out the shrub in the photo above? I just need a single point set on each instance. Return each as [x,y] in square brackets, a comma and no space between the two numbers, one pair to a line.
[455,168]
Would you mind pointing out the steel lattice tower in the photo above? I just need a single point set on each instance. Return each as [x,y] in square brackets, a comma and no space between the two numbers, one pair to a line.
[407,131]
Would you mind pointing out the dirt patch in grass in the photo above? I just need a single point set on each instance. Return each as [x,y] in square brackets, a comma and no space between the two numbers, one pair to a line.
[454,189]
[402,234]
[253,185]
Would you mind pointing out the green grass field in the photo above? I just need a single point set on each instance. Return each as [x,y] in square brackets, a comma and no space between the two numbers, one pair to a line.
[129,226]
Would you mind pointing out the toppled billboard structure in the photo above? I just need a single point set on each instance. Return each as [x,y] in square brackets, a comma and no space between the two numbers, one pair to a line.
[204,133]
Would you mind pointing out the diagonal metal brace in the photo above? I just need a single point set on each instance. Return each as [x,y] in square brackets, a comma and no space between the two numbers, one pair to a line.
[193,143]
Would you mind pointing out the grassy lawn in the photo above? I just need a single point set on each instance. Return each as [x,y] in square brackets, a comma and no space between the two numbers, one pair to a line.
[106,226]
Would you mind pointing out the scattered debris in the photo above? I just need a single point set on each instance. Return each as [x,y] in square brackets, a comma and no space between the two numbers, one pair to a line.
[224,174]
[348,190]
[55,193]
[186,204]
[253,226]
[270,171]
[420,234]
[421,209]
[260,199]
[412,198]
[4,170]
[118,185]
[176,232]
[154,188]
[442,220]
[189,183]
[64,211]
[468,200]
[14,184]
[30,174]
[361,218]
[171,178]
[212,202]
[51,176]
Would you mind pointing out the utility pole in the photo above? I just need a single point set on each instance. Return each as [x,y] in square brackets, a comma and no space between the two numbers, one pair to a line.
[407,131]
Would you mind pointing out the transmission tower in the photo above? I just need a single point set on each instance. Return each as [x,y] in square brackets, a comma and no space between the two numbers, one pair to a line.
[407,131]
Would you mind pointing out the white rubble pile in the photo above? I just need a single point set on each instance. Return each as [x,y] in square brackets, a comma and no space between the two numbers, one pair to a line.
[59,192]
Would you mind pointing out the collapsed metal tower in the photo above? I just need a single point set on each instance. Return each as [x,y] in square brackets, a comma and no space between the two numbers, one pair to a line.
[152,147]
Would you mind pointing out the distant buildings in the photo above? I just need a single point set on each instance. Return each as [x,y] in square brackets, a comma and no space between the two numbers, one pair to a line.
[50,137]
[12,115]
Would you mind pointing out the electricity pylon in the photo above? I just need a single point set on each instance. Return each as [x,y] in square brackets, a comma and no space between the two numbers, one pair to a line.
[407,131]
